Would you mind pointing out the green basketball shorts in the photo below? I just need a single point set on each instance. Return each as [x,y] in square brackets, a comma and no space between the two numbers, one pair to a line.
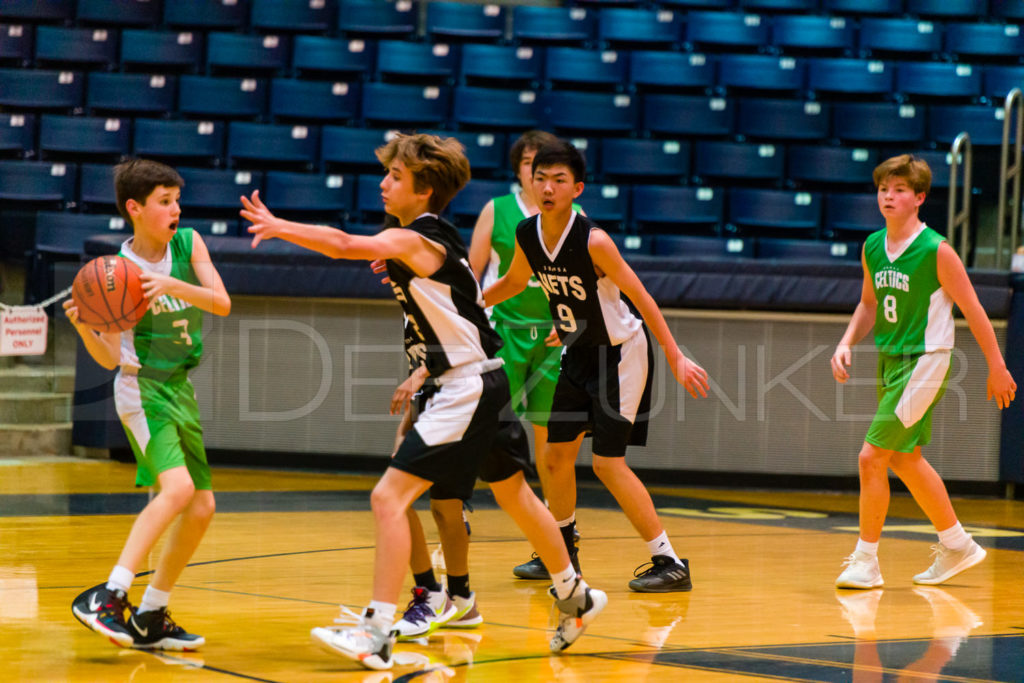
[532,368]
[909,386]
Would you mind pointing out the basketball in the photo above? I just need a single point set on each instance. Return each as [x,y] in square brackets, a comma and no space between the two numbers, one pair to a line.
[108,294]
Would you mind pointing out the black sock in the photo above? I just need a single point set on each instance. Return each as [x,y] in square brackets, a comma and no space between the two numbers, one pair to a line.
[427,580]
[458,585]
[567,535]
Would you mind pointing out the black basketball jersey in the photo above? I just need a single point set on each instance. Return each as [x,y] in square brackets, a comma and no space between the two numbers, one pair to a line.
[587,310]
[444,311]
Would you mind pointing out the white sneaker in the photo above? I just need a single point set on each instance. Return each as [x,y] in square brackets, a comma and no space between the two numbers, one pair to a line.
[576,613]
[425,613]
[466,613]
[361,641]
[861,572]
[948,563]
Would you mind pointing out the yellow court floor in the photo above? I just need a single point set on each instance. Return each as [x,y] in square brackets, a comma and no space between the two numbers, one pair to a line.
[286,548]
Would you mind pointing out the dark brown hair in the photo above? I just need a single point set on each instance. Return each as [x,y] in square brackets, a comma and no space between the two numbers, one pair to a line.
[137,178]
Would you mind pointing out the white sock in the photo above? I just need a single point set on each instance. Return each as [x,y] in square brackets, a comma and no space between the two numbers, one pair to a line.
[153,599]
[383,615]
[661,546]
[567,521]
[867,548]
[955,538]
[565,580]
[120,579]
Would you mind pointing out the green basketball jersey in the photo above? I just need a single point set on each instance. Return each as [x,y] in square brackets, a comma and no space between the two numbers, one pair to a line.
[168,340]
[914,314]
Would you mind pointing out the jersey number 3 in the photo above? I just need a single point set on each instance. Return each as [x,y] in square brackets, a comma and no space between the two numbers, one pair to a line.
[889,308]
[568,322]
[183,324]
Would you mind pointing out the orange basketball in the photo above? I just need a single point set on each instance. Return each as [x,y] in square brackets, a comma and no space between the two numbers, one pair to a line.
[108,294]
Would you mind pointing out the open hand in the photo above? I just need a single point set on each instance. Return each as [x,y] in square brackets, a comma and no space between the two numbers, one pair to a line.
[380,266]
[265,225]
[842,359]
[693,377]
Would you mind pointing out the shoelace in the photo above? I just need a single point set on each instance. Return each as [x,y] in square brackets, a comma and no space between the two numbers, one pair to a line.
[418,610]
[651,568]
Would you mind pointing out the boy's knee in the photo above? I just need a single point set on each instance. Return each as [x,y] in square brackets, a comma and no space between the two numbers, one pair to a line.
[383,502]
[872,457]
[606,467]
[203,504]
[180,494]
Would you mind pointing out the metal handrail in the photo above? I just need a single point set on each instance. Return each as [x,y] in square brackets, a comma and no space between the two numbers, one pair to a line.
[1009,173]
[961,148]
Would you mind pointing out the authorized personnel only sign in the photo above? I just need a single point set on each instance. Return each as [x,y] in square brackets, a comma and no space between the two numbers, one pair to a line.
[22,331]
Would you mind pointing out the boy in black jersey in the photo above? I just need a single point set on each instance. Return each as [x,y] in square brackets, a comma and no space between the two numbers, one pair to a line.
[605,378]
[453,438]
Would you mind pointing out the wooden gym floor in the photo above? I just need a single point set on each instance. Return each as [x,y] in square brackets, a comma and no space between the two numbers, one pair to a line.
[286,547]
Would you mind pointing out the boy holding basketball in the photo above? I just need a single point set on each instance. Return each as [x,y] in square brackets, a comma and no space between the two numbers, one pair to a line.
[157,406]
[454,437]
[916,277]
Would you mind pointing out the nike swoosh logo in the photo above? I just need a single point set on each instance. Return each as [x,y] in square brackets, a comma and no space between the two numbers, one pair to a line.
[142,631]
[94,602]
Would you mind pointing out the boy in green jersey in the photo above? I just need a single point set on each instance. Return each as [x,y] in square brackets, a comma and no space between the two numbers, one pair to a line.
[912,278]
[157,405]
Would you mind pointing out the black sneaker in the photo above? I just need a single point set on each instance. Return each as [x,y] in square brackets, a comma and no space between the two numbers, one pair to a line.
[155,630]
[102,610]
[536,571]
[664,575]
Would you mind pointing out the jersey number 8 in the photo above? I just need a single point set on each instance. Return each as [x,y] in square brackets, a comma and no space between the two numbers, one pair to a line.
[889,308]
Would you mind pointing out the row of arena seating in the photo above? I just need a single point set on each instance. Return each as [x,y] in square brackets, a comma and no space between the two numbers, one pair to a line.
[612,20]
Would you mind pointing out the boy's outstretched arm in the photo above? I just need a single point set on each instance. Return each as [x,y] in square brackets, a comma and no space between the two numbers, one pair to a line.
[513,282]
[954,280]
[860,324]
[209,296]
[606,256]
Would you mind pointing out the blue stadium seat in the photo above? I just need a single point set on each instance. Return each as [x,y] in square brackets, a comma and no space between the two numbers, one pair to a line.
[319,101]
[178,141]
[658,160]
[889,8]
[999,80]
[806,250]
[65,233]
[38,10]
[41,89]
[320,56]
[417,62]
[696,247]
[832,165]
[305,17]
[214,227]
[484,150]
[213,96]
[632,245]
[118,12]
[593,112]
[850,76]
[89,47]
[130,93]
[464,21]
[406,104]
[1007,9]
[655,70]
[466,205]
[780,210]
[96,188]
[60,136]
[938,79]
[769,6]
[948,9]
[985,40]
[161,51]
[983,123]
[553,25]
[368,201]
[783,119]
[211,191]
[206,14]
[272,143]
[496,109]
[15,44]
[726,29]
[698,4]
[815,33]
[581,67]
[688,115]
[847,214]
[501,64]
[878,123]
[351,149]
[761,72]
[36,181]
[606,205]
[900,36]
[236,52]
[309,193]
[375,18]
[625,27]
[17,135]
[738,161]
[672,208]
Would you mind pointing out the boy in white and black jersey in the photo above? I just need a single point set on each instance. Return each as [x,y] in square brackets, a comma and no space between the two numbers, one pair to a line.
[453,438]
[605,377]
